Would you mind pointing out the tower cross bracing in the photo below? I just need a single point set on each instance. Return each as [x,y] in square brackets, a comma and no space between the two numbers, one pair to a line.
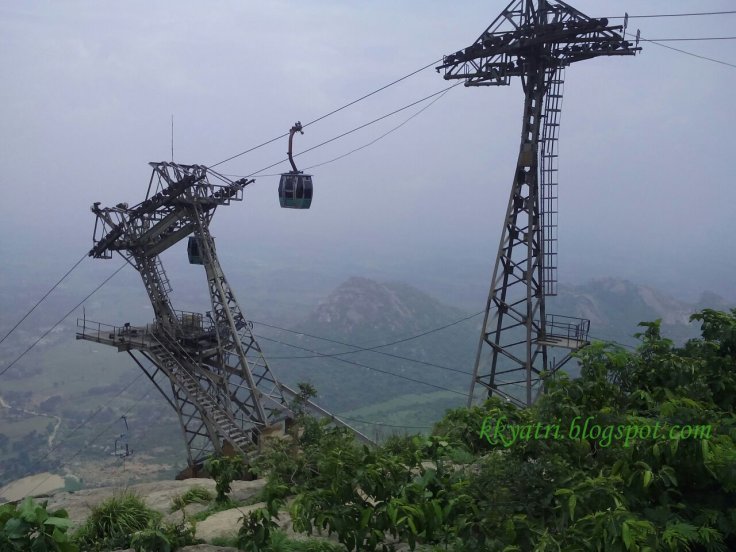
[533,40]
[209,368]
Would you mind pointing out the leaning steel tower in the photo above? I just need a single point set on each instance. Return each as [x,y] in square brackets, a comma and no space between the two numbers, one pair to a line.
[209,367]
[534,40]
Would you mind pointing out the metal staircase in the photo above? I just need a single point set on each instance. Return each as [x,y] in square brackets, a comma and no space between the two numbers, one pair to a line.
[222,387]
[210,410]
[162,276]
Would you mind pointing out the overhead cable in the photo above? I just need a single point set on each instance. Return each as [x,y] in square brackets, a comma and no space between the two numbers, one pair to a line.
[397,127]
[94,439]
[358,128]
[384,424]
[68,272]
[47,332]
[687,39]
[365,366]
[684,51]
[331,112]
[672,15]
[79,426]
[368,349]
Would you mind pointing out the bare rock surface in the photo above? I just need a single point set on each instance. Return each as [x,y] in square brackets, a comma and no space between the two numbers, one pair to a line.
[157,495]
[180,516]
[224,524]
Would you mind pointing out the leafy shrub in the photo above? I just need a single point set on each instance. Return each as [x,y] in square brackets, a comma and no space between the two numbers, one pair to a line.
[224,469]
[165,537]
[542,494]
[29,526]
[256,531]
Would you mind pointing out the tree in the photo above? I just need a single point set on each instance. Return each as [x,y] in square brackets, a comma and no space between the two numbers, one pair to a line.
[582,491]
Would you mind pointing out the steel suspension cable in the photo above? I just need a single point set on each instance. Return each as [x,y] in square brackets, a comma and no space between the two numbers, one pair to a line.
[376,91]
[399,110]
[373,349]
[68,272]
[364,366]
[47,332]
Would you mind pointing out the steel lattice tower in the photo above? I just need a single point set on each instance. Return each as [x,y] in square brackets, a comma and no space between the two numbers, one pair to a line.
[533,40]
[221,386]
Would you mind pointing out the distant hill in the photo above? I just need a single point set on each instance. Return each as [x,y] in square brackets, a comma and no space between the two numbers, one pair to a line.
[364,309]
[69,380]
[364,312]
[367,313]
[615,306]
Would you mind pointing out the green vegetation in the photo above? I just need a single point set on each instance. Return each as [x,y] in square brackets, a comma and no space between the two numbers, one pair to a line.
[196,494]
[460,492]
[113,522]
[125,521]
[416,412]
[29,526]
[224,469]
[257,530]
[279,542]
[215,507]
[163,538]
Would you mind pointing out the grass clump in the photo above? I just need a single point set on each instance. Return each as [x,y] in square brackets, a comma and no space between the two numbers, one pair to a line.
[226,542]
[111,524]
[196,494]
[215,507]
[124,521]
[164,537]
[278,541]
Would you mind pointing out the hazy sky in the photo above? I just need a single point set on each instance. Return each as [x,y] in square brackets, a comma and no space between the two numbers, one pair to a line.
[647,148]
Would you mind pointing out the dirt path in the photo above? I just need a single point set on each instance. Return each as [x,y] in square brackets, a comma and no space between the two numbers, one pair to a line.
[51,438]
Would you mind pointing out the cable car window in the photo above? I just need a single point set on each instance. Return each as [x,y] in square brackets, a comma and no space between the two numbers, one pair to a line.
[299,189]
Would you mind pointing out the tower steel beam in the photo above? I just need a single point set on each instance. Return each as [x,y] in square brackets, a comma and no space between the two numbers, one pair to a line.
[534,40]
[221,386]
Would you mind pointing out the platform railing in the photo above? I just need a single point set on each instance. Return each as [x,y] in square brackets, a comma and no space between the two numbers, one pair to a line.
[566,327]
[188,323]
[125,334]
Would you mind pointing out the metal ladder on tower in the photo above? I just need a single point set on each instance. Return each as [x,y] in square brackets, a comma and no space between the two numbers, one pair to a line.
[548,157]
[239,438]
[162,276]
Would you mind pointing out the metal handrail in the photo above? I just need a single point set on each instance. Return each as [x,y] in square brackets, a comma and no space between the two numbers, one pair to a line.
[571,327]
[133,335]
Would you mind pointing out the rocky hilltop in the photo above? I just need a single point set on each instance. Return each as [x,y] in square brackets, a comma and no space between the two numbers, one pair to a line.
[615,306]
[363,307]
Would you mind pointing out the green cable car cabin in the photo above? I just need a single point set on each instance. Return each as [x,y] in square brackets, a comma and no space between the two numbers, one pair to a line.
[295,190]
[195,255]
[295,187]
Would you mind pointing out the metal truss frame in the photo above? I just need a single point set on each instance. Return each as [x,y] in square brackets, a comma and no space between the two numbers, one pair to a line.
[211,371]
[534,40]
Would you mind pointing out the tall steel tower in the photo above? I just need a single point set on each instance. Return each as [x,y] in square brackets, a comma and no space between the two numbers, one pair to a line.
[221,386]
[534,40]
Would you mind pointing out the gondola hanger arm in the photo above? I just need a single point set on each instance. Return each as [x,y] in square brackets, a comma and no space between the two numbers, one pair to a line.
[296,128]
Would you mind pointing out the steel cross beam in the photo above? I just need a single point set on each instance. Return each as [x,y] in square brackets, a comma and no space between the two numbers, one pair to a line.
[221,387]
[534,40]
